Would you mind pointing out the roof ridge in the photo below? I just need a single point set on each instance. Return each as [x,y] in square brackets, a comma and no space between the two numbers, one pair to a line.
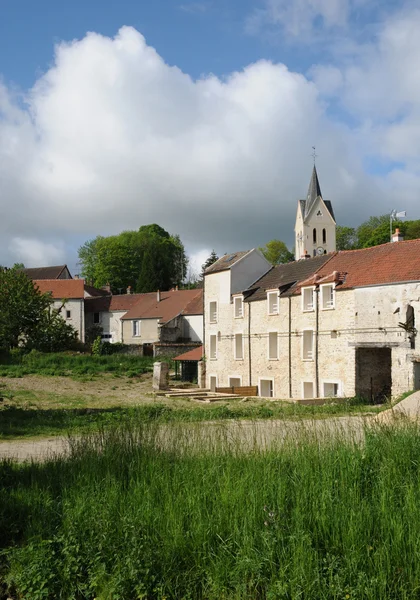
[377,246]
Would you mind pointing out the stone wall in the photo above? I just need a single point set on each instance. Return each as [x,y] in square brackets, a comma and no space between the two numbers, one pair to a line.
[173,350]
[359,318]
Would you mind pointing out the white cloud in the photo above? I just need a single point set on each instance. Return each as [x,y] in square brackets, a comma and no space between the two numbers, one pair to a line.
[112,138]
[35,253]
[300,18]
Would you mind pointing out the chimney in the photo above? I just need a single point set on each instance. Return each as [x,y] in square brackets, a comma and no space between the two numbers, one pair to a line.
[158,295]
[176,288]
[336,276]
[397,237]
[306,255]
[107,288]
[129,289]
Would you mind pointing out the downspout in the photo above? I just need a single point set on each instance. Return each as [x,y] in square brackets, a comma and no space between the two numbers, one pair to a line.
[204,330]
[317,344]
[290,348]
[249,344]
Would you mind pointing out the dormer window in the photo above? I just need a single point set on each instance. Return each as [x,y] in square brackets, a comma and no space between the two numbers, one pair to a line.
[238,307]
[327,296]
[308,299]
[273,303]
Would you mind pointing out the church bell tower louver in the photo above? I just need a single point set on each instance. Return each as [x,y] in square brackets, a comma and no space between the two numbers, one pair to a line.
[315,227]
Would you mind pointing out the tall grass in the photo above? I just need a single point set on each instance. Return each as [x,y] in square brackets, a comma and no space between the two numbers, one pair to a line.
[64,363]
[185,514]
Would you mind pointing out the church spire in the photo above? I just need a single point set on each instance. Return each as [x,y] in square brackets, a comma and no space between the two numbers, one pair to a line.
[314,191]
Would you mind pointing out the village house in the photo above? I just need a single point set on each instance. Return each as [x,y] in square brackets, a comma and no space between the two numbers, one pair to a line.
[69,299]
[145,320]
[330,325]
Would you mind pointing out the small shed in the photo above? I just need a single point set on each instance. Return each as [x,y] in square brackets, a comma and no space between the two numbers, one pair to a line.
[186,365]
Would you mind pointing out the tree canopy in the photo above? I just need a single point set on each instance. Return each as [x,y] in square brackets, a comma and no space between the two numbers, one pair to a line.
[374,231]
[28,318]
[147,259]
[276,252]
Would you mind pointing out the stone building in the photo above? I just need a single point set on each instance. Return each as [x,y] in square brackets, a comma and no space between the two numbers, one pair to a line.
[341,324]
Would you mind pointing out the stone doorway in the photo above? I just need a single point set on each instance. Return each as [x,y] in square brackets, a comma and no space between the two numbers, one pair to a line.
[373,374]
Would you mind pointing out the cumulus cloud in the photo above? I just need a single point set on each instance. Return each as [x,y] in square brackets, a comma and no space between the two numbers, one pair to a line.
[111,137]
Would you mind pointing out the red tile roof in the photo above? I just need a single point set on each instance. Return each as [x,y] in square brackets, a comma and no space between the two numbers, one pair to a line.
[69,289]
[36,273]
[171,304]
[196,354]
[389,263]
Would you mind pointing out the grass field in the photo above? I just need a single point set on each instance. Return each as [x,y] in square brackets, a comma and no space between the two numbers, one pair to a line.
[126,517]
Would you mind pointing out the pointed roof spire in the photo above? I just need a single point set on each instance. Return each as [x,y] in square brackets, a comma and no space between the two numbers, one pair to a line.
[314,191]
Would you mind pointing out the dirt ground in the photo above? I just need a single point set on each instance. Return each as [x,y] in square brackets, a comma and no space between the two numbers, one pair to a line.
[101,391]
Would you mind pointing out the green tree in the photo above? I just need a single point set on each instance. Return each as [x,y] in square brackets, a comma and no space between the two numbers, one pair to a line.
[276,252]
[27,317]
[366,230]
[346,238]
[119,260]
[209,261]
[52,334]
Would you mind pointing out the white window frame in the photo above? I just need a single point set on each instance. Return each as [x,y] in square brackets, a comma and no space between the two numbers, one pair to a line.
[235,301]
[216,312]
[332,382]
[268,345]
[235,377]
[303,344]
[260,379]
[234,345]
[277,307]
[322,287]
[68,313]
[213,356]
[304,306]
[136,328]
[312,382]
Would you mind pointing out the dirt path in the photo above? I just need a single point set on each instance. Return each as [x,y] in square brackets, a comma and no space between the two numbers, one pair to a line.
[244,434]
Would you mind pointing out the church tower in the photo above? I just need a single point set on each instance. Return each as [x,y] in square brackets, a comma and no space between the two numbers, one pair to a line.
[315,223]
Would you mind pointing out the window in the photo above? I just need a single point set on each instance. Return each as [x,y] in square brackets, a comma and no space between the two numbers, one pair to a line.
[136,328]
[96,318]
[308,389]
[331,389]
[314,235]
[308,299]
[273,345]
[273,303]
[327,296]
[68,314]
[106,337]
[239,346]
[308,344]
[266,388]
[235,382]
[213,312]
[213,347]
[324,236]
[238,304]
[319,214]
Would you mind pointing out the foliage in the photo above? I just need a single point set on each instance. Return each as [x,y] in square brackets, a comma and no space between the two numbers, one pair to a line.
[97,346]
[365,231]
[145,260]
[92,333]
[126,516]
[28,318]
[276,252]
[209,261]
[346,238]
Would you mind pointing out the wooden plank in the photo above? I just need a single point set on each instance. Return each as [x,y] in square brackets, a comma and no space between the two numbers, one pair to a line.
[251,390]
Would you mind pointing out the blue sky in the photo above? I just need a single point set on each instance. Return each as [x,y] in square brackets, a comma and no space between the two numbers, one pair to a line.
[210,133]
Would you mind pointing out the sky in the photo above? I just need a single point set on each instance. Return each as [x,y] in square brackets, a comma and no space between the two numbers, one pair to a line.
[201,115]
